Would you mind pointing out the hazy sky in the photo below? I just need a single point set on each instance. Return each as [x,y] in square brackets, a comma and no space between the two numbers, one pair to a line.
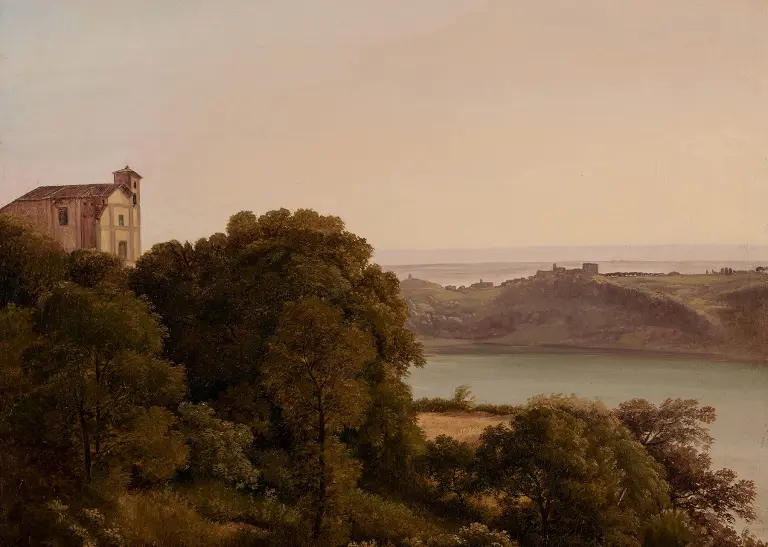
[422,123]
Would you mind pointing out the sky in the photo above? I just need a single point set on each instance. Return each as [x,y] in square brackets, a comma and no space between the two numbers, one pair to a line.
[424,124]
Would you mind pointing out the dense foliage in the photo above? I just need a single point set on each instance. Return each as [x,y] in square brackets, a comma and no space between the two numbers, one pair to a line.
[249,389]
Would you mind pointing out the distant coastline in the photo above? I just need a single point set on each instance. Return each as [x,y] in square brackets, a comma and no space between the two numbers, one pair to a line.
[466,273]
[588,253]
[447,346]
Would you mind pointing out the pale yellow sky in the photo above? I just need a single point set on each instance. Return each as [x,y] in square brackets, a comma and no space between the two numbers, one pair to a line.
[422,123]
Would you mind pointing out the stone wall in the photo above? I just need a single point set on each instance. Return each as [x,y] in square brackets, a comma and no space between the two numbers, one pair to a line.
[69,236]
[36,213]
[44,216]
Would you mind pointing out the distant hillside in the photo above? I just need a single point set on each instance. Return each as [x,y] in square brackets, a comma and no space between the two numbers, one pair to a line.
[685,313]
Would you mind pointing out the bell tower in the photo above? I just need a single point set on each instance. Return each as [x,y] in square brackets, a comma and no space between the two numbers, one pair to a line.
[131,180]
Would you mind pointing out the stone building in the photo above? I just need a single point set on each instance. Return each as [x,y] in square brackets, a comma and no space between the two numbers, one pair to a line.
[482,285]
[105,217]
[591,268]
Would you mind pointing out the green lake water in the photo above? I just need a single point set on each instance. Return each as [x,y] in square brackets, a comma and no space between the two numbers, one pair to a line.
[736,390]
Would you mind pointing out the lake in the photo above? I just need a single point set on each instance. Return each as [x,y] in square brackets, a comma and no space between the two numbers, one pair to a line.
[736,390]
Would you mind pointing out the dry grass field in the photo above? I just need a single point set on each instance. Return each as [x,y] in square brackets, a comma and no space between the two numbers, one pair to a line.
[465,427]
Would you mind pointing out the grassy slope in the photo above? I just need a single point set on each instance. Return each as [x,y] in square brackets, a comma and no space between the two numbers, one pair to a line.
[685,313]
[704,293]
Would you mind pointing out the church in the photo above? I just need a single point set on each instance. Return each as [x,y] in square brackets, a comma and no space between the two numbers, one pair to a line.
[104,217]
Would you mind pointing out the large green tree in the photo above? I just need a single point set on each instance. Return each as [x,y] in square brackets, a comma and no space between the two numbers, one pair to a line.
[224,297]
[89,268]
[570,475]
[449,465]
[30,262]
[314,368]
[674,432]
[98,364]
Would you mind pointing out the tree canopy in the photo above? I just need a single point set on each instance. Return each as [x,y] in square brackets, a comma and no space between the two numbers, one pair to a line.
[250,389]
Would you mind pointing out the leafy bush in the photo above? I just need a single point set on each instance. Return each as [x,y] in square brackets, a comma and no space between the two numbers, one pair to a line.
[474,535]
[437,404]
[219,503]
[161,518]
[462,401]
[375,518]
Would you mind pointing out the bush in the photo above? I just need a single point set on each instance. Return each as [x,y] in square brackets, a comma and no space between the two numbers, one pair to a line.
[217,502]
[439,405]
[462,401]
[497,410]
[375,518]
[161,518]
[474,535]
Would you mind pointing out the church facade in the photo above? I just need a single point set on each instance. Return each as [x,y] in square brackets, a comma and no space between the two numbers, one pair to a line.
[104,217]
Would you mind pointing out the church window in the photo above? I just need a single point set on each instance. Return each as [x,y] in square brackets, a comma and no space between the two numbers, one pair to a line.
[122,249]
[121,220]
[63,216]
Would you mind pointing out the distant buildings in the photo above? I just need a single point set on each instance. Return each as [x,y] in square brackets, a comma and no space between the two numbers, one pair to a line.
[588,268]
[482,285]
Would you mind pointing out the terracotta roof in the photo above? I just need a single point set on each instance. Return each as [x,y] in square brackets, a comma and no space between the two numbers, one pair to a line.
[73,191]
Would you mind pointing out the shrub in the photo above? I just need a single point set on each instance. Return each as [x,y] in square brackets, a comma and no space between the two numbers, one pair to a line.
[439,405]
[161,518]
[474,535]
[219,503]
[375,518]
[462,401]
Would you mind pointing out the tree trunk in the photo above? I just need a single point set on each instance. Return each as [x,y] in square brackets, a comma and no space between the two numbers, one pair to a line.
[320,515]
[86,446]
[544,514]
[97,432]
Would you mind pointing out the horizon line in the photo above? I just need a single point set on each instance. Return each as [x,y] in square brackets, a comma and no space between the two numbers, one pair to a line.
[571,246]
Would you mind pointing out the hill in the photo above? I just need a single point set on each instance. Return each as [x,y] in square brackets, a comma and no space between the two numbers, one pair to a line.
[713,314]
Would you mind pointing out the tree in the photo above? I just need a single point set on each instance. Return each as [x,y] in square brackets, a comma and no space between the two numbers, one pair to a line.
[314,369]
[152,447]
[90,268]
[462,398]
[30,262]
[98,364]
[540,456]
[674,422]
[586,478]
[674,433]
[642,490]
[16,336]
[218,448]
[449,465]
[670,528]
[223,298]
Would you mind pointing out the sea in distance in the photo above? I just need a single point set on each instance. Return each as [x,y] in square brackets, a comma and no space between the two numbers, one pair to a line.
[463,267]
